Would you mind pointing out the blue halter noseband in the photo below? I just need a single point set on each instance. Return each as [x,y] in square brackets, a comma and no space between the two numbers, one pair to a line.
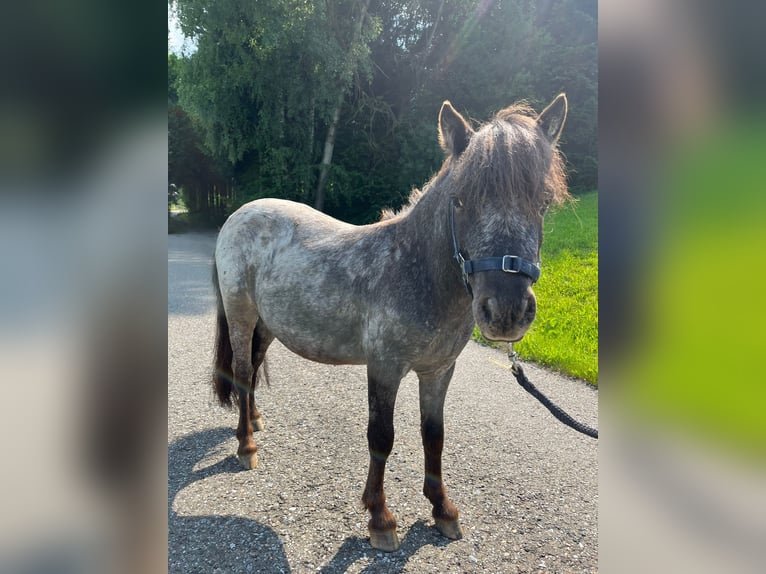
[506,263]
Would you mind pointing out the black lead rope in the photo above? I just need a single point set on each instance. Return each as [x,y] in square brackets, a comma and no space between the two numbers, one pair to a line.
[556,411]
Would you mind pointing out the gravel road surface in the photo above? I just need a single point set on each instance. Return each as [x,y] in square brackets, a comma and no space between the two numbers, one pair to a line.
[525,485]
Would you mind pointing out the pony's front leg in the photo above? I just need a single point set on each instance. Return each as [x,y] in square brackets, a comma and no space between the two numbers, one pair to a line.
[381,396]
[433,390]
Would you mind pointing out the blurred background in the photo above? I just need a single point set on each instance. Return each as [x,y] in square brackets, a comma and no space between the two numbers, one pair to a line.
[682,143]
[84,196]
[83,179]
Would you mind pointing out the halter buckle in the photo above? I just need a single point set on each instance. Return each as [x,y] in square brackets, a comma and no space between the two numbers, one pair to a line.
[511,264]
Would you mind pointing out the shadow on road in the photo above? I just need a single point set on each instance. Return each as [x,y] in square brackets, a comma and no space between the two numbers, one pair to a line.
[209,543]
[353,549]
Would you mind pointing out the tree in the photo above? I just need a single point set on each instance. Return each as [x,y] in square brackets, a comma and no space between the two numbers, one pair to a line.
[267,78]
[355,51]
[200,178]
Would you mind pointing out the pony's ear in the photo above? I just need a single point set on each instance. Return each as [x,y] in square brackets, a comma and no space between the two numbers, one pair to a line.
[454,131]
[551,119]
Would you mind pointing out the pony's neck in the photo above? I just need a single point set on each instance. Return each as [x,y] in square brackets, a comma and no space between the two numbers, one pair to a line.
[428,223]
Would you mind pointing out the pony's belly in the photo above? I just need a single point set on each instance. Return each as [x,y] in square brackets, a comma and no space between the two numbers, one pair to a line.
[311,319]
[313,350]
[334,340]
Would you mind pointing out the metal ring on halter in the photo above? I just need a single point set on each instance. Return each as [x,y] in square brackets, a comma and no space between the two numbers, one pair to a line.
[513,356]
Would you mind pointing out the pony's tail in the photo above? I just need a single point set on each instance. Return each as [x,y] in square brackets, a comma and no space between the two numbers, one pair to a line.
[223,378]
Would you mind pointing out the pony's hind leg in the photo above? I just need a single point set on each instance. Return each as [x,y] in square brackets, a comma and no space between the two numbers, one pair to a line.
[255,416]
[241,344]
[262,338]
[242,323]
[433,389]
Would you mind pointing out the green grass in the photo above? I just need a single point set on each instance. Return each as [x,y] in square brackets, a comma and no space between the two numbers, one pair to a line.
[564,335]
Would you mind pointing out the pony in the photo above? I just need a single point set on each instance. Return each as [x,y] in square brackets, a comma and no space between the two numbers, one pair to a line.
[399,295]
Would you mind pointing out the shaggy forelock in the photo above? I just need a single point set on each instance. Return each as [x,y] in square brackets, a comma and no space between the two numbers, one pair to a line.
[508,162]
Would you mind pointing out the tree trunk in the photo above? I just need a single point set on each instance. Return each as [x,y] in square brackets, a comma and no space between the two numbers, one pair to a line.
[329,142]
[329,146]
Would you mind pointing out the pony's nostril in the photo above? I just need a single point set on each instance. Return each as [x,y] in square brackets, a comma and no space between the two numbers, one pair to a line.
[488,308]
[531,308]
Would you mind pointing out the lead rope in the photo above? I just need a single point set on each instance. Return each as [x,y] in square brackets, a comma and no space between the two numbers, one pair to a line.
[556,411]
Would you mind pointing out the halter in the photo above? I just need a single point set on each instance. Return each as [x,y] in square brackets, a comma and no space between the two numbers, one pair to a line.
[506,263]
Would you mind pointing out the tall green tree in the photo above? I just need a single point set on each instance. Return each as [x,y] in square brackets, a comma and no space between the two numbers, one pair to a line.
[352,33]
[268,81]
[203,181]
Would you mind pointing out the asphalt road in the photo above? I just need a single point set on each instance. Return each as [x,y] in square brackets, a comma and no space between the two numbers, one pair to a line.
[525,485]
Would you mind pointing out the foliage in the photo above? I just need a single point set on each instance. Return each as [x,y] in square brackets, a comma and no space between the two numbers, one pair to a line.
[202,181]
[265,80]
[564,335]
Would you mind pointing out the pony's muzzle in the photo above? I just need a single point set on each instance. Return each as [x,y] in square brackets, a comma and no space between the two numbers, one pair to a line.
[506,316]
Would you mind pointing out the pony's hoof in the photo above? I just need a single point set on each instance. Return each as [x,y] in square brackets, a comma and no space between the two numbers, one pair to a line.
[258,424]
[248,461]
[449,528]
[385,540]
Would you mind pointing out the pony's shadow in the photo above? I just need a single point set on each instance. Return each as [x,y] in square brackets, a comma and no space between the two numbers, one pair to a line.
[356,548]
[210,543]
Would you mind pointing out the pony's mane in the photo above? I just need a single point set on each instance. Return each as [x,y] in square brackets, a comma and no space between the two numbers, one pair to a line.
[505,155]
[415,196]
